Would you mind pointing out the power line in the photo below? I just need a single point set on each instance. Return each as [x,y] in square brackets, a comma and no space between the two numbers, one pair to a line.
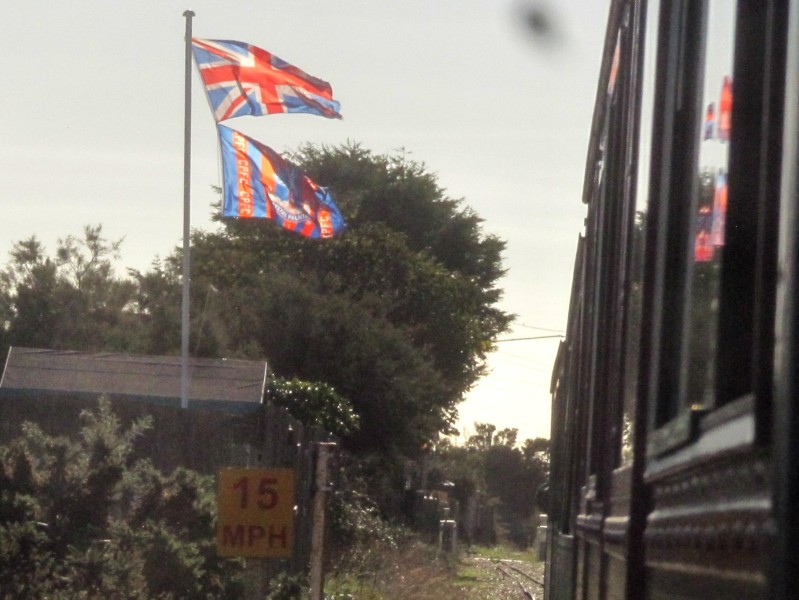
[541,328]
[537,337]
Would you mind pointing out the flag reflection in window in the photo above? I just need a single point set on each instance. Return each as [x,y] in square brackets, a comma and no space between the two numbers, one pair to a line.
[710,204]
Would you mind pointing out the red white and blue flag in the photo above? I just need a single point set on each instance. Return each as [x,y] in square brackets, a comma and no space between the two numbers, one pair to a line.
[258,182]
[241,79]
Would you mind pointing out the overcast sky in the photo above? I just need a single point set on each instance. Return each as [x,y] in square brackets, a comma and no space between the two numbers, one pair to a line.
[92,131]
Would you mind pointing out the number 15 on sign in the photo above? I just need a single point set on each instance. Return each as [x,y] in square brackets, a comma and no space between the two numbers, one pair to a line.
[255,512]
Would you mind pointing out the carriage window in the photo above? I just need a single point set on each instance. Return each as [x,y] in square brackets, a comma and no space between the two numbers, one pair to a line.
[709,206]
[636,243]
[693,129]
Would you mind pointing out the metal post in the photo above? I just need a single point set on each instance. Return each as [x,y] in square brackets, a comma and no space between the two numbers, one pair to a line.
[184,323]
[321,489]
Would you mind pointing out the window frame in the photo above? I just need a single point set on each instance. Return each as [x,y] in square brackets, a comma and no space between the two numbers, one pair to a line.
[744,335]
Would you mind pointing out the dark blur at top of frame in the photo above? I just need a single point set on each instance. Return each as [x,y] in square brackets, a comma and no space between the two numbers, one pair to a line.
[538,23]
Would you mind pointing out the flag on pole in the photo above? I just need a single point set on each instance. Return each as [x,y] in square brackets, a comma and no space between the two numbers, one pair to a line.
[242,79]
[259,183]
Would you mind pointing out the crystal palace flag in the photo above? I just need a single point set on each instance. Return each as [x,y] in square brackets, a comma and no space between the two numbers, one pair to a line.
[241,79]
[258,182]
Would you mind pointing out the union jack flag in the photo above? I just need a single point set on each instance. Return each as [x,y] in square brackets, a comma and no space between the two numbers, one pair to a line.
[241,79]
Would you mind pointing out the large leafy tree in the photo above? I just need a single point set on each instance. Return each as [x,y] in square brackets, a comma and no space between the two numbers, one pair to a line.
[397,314]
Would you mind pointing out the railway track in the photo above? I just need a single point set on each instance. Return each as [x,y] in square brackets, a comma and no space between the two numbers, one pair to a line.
[529,586]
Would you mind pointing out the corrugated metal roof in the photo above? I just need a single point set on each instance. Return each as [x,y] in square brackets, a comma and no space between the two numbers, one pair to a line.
[157,378]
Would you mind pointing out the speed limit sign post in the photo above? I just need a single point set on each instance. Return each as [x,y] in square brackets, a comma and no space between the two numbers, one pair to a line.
[255,513]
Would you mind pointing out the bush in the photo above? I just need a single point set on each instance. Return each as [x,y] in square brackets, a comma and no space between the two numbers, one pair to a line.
[81,519]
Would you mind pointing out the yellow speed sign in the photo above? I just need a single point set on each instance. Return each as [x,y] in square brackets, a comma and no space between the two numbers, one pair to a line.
[255,512]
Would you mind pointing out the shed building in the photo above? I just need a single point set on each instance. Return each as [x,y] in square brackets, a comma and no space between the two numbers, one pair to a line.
[229,385]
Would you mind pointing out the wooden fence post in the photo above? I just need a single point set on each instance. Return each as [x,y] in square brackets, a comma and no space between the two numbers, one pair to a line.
[321,489]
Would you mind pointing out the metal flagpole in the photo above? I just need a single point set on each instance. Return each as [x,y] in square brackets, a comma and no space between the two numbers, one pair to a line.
[184,322]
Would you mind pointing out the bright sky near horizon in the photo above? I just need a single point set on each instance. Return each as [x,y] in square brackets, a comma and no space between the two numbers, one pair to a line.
[92,132]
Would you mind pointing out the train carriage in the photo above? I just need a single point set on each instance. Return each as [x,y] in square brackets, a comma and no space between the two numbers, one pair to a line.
[674,423]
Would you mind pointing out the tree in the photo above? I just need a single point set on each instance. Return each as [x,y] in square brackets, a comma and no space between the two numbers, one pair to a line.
[397,314]
[27,295]
[491,462]
[71,300]
[483,437]
[452,308]
[314,404]
[157,307]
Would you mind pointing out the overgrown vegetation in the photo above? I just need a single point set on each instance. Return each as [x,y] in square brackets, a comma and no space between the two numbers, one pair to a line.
[416,571]
[377,560]
[80,519]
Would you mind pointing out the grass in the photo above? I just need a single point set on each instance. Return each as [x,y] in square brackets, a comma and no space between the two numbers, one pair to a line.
[409,573]
[415,572]
[468,576]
